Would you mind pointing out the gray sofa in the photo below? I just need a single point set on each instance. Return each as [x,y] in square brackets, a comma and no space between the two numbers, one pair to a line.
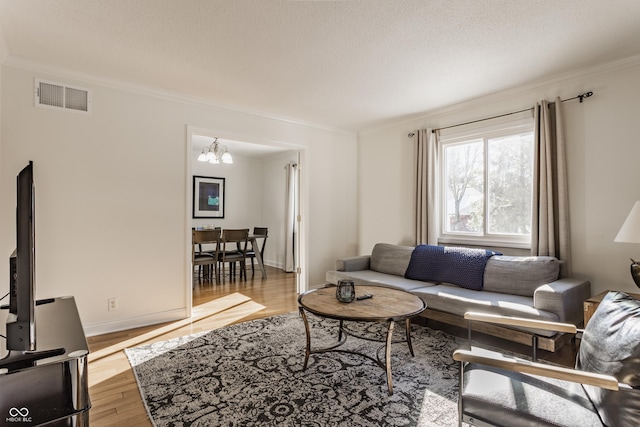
[527,287]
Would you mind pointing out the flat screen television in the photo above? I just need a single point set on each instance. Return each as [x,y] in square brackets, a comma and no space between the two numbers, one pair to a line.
[21,334]
[21,319]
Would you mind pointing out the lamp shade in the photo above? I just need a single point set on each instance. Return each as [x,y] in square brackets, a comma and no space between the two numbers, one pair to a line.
[630,231]
[226,157]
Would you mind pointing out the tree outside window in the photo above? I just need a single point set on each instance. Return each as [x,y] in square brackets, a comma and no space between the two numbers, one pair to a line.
[487,185]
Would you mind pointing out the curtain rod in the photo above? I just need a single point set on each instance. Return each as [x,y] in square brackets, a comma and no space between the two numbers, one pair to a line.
[580,97]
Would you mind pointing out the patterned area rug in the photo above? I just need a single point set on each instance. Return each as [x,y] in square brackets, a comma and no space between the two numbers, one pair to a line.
[250,374]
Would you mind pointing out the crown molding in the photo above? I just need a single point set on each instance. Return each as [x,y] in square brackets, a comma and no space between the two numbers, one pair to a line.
[86,78]
[434,114]
[536,85]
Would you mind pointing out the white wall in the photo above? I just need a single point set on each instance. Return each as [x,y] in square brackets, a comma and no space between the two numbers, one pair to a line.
[111,194]
[255,197]
[603,152]
[273,205]
[243,197]
[1,57]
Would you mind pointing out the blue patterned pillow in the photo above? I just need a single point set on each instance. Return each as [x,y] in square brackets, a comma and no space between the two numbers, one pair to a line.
[459,266]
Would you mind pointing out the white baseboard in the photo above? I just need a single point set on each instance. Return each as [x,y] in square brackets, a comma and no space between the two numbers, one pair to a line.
[274,264]
[149,319]
[135,322]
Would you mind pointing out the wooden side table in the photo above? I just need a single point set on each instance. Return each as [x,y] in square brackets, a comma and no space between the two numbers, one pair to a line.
[590,305]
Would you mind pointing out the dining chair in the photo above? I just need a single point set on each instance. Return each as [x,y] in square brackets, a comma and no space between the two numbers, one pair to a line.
[258,233]
[233,249]
[207,258]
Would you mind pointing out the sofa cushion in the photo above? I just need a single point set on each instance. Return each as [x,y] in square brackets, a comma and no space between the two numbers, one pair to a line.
[355,263]
[390,259]
[374,278]
[519,275]
[456,300]
[460,266]
[611,346]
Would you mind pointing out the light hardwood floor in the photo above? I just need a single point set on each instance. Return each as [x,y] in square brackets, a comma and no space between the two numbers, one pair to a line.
[113,389]
[114,392]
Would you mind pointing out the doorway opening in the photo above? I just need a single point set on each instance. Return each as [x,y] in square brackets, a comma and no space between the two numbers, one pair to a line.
[255,195]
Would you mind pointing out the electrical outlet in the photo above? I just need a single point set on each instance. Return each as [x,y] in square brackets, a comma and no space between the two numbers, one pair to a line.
[112,304]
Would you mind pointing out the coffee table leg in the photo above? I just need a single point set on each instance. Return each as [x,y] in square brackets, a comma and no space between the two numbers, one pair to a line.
[388,356]
[307,351]
[408,331]
[340,332]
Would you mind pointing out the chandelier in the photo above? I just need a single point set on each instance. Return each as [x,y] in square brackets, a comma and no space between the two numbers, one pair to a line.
[216,153]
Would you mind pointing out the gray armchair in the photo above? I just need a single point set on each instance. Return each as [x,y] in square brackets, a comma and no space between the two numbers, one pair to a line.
[602,390]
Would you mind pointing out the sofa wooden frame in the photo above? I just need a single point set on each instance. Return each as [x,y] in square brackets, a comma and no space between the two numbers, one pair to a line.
[497,330]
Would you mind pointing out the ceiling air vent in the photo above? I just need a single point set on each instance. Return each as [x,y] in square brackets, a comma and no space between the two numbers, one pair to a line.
[57,95]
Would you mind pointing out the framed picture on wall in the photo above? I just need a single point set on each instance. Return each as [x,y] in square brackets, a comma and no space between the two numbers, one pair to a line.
[208,197]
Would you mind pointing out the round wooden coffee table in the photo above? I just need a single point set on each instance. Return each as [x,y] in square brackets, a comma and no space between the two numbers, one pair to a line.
[387,305]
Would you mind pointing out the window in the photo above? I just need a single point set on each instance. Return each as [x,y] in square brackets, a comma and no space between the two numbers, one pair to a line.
[487,185]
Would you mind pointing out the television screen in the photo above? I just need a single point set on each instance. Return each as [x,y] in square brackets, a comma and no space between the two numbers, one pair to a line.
[21,321]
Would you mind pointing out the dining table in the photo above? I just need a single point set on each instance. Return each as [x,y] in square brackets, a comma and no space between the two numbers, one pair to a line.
[253,238]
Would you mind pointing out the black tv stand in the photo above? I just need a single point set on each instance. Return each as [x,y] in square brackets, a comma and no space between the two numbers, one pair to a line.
[45,301]
[26,359]
[38,302]
[51,382]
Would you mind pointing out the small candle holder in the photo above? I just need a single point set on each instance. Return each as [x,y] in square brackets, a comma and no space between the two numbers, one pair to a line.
[345,291]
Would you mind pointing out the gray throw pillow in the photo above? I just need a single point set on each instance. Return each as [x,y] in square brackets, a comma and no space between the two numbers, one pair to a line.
[519,275]
[611,345]
[390,259]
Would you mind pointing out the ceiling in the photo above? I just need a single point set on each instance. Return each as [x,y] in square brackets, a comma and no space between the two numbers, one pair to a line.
[349,65]
[236,148]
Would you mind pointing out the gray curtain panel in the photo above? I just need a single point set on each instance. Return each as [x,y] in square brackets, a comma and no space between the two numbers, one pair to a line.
[550,228]
[426,155]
